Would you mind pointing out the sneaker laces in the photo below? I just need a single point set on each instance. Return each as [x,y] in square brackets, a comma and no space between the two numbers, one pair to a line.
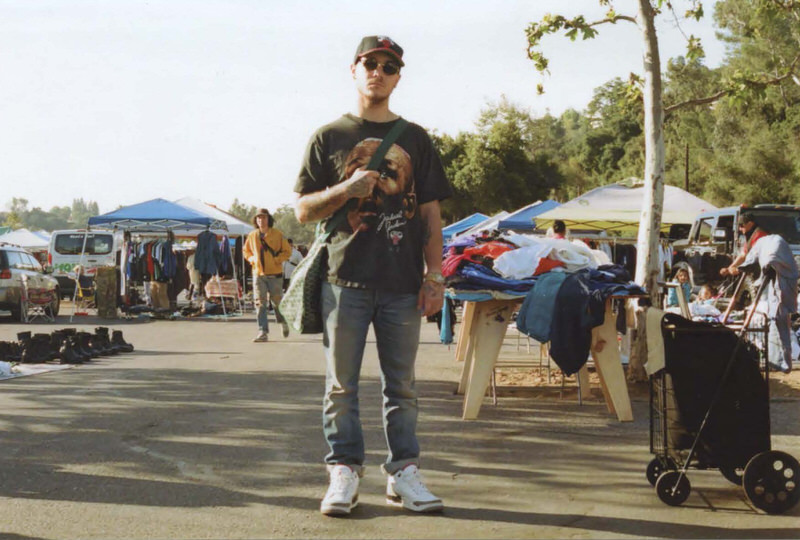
[341,479]
[413,480]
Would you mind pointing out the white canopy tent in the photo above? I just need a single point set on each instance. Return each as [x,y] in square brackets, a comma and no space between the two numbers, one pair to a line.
[25,239]
[236,227]
[618,207]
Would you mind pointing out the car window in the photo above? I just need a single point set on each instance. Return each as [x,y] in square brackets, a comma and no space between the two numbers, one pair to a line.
[31,262]
[786,224]
[72,244]
[704,230]
[15,260]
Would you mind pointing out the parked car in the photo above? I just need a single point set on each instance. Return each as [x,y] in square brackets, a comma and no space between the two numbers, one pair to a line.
[714,238]
[14,263]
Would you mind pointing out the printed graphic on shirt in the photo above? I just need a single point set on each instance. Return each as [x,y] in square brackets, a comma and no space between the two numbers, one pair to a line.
[393,201]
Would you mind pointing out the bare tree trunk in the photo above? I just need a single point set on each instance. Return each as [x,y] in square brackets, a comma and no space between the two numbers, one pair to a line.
[653,204]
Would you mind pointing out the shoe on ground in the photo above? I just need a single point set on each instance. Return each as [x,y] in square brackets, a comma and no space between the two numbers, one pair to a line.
[285,330]
[342,494]
[406,489]
[261,338]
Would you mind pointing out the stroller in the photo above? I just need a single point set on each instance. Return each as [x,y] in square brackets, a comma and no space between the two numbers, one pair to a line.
[709,409]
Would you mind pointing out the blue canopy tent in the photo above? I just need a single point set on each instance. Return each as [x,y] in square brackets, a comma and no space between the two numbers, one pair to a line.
[156,215]
[523,219]
[462,225]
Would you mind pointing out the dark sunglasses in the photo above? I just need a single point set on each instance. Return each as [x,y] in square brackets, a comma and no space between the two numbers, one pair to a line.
[389,68]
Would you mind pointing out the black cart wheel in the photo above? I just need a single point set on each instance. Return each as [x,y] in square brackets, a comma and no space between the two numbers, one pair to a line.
[657,466]
[671,490]
[770,481]
[734,475]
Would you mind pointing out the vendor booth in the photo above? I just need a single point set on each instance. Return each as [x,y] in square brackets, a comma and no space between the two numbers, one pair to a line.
[618,207]
[237,231]
[149,259]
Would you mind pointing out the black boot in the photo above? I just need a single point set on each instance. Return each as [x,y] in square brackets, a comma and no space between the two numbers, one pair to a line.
[102,333]
[75,346]
[67,354]
[118,341]
[43,348]
[82,341]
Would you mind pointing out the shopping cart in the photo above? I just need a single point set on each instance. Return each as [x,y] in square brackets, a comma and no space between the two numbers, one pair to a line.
[709,409]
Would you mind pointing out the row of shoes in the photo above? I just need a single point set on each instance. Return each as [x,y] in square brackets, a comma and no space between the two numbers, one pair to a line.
[67,346]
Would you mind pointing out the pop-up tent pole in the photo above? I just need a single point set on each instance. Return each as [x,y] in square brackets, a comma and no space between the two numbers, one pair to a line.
[78,275]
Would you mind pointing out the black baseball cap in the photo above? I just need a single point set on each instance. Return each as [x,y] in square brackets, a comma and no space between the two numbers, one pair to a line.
[383,44]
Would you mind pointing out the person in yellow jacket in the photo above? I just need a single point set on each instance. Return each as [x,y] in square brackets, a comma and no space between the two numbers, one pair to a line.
[266,249]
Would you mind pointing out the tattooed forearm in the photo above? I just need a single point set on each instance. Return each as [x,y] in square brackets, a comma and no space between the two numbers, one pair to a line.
[426,232]
[320,205]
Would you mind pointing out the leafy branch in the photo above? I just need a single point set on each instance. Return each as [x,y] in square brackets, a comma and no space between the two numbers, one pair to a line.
[741,85]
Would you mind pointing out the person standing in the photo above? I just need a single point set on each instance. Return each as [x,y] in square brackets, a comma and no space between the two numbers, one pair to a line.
[266,249]
[384,270]
[289,265]
[559,230]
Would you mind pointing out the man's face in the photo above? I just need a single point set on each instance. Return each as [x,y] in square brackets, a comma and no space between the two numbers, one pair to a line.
[263,221]
[375,84]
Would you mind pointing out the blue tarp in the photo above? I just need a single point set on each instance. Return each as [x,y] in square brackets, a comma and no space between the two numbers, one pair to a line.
[156,214]
[522,219]
[461,226]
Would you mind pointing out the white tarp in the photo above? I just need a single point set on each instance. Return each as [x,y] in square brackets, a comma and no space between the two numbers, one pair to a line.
[618,207]
[26,239]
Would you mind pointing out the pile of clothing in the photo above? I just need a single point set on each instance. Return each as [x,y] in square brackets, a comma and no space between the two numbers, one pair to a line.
[565,285]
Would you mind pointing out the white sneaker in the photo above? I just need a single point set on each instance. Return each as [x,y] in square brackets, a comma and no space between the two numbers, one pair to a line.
[406,489]
[342,495]
[262,337]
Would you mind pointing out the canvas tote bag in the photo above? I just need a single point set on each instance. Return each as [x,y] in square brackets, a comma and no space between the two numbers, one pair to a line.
[301,305]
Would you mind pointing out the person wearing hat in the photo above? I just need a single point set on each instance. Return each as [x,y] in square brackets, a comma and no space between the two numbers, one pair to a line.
[384,270]
[752,232]
[266,249]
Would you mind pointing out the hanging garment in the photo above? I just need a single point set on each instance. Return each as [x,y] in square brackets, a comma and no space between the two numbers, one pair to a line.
[206,258]
[772,254]
[535,317]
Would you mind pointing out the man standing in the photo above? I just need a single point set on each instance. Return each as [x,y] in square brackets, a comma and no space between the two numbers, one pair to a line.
[384,269]
[289,265]
[267,249]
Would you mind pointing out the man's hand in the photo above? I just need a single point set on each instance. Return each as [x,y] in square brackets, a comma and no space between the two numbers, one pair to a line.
[431,298]
[360,184]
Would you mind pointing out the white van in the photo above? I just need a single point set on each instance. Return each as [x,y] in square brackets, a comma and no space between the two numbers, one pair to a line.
[100,248]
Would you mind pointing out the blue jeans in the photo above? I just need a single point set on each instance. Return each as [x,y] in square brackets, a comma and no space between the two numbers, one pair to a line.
[268,288]
[347,314]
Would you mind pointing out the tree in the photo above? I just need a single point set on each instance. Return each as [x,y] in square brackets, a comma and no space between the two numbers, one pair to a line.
[242,211]
[652,207]
[501,166]
[82,211]
[286,222]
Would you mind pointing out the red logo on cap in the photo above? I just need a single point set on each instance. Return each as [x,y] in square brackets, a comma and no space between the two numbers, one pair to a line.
[385,42]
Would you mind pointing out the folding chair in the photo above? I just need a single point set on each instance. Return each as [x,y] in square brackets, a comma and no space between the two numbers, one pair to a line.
[84,294]
[36,303]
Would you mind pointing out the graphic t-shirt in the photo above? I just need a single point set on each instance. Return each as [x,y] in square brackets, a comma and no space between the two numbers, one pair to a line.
[380,245]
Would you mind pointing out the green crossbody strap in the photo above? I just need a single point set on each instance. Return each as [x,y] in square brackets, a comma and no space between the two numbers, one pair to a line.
[341,214]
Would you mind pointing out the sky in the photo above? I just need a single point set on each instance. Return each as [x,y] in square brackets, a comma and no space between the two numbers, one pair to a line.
[124,101]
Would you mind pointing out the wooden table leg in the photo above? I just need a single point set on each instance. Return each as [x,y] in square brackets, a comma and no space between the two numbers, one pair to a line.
[490,324]
[469,356]
[585,387]
[465,330]
[605,352]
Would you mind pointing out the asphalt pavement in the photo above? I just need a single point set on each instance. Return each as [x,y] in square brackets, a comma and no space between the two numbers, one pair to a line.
[200,433]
